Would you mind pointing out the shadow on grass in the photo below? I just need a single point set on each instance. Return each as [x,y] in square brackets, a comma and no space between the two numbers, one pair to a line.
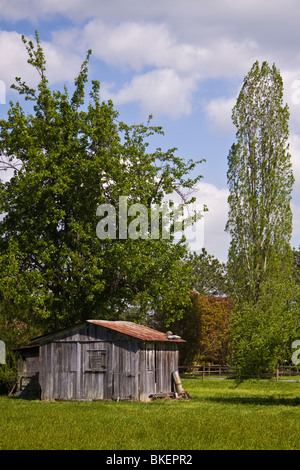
[256,400]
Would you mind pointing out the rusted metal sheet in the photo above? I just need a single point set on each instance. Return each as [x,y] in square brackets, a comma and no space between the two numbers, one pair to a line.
[137,331]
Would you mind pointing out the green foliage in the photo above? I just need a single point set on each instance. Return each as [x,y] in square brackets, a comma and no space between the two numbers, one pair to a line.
[9,374]
[209,275]
[69,157]
[263,332]
[260,181]
[204,324]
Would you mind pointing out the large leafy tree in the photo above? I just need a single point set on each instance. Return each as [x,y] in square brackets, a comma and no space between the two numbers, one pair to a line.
[260,181]
[68,157]
[209,275]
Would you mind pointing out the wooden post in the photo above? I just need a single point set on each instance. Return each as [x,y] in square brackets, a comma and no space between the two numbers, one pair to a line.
[277,373]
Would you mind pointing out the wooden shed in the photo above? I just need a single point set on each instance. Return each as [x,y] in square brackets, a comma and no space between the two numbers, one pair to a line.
[100,360]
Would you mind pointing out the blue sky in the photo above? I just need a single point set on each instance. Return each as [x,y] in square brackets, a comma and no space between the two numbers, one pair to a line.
[181,61]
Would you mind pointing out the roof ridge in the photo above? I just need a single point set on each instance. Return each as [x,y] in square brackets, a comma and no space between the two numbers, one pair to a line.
[136,330]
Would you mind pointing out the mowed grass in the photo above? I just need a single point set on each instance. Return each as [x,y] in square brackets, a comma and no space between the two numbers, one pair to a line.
[255,415]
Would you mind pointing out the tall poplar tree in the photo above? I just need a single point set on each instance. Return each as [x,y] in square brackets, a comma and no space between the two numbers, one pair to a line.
[260,181]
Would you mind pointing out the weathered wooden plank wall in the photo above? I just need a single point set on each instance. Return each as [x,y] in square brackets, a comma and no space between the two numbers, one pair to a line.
[125,369]
[157,363]
[29,365]
[166,364]
[131,369]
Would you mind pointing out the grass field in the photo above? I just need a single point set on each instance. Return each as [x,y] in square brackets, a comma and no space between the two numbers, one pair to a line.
[255,415]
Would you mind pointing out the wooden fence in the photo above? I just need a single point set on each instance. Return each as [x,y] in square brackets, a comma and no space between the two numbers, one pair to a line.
[207,370]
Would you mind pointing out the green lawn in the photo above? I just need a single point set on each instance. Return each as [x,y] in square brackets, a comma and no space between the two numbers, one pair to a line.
[255,415]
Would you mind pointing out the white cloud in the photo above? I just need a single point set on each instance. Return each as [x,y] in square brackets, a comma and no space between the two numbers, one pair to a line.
[62,64]
[144,44]
[43,9]
[160,91]
[129,44]
[294,149]
[269,20]
[178,52]
[296,225]
[291,82]
[216,240]
[219,113]
[176,68]
[13,62]
[209,231]
[272,26]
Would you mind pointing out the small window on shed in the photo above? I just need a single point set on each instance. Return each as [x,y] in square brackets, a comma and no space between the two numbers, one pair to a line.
[97,360]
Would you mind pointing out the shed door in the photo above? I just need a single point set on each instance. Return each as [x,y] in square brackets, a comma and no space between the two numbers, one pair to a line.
[94,368]
[64,367]
[125,371]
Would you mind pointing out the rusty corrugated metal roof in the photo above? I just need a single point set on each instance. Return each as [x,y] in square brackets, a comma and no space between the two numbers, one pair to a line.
[137,331]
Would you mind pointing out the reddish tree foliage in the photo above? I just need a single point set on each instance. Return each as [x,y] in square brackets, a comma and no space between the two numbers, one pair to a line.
[204,327]
[214,327]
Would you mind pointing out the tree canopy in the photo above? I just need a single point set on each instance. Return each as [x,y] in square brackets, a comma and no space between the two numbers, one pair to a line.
[69,156]
[205,327]
[209,275]
[260,181]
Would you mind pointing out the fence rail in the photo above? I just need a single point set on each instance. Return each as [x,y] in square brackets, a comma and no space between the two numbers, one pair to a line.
[224,370]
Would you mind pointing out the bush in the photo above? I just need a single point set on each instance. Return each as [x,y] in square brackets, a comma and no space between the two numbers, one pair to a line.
[9,375]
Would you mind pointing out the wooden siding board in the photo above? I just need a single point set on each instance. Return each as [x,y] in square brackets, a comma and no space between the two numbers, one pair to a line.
[160,386]
[135,369]
[166,360]
[46,374]
[108,383]
[79,371]
[29,364]
[147,377]
[142,374]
